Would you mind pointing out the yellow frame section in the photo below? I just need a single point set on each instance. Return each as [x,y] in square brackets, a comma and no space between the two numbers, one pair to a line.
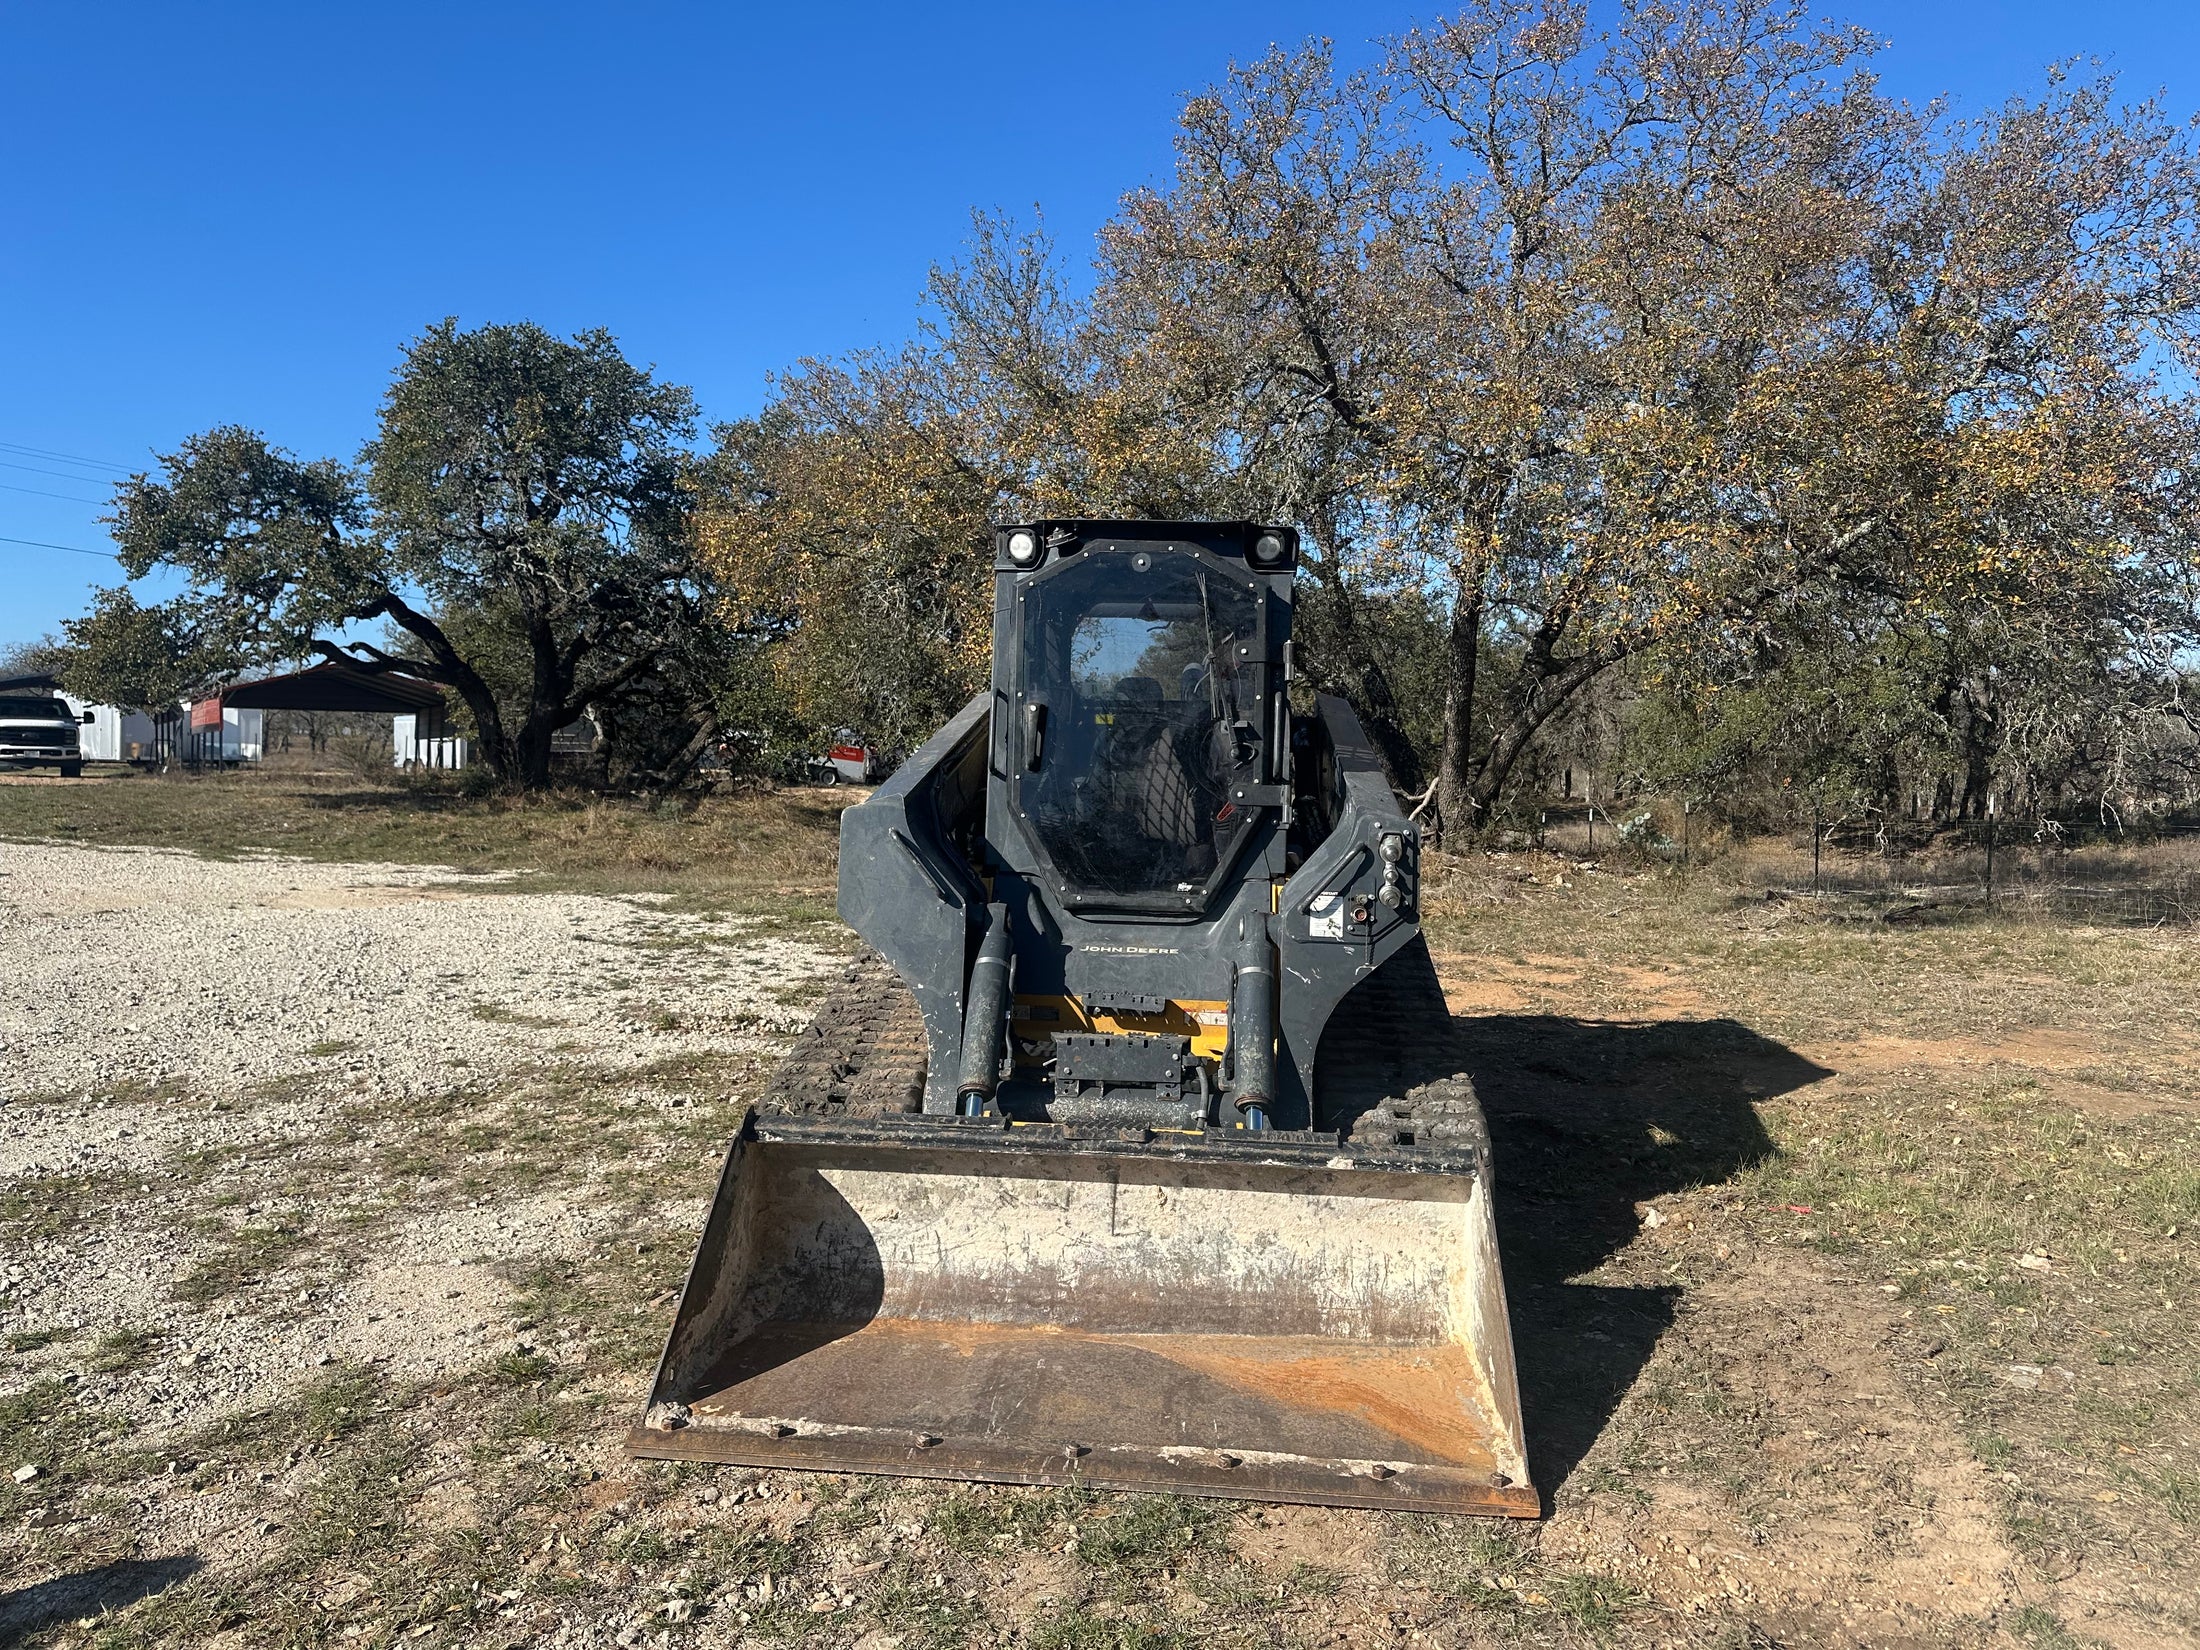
[1180,1018]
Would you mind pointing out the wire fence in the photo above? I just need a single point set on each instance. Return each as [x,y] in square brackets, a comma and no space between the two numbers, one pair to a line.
[1903,870]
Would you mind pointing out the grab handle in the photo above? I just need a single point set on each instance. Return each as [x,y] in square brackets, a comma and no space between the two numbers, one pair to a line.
[1035,733]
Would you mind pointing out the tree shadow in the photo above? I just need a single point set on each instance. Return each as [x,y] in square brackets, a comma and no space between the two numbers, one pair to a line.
[1589,1118]
[88,1593]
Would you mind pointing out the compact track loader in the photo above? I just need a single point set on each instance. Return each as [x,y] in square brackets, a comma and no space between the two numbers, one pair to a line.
[1137,1152]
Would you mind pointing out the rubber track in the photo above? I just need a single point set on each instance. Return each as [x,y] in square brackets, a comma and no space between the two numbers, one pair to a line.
[863,1056]
[1392,1070]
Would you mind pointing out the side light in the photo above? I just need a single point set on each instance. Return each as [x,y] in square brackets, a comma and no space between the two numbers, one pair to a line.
[1394,894]
[1023,547]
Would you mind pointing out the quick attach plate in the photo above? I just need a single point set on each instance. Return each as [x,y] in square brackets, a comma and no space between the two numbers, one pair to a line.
[1112,1060]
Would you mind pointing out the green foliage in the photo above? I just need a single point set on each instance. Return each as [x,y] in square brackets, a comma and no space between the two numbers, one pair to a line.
[1387,652]
[520,520]
[521,1368]
[533,488]
[979,1520]
[1863,707]
[142,658]
[2042,1628]
[507,453]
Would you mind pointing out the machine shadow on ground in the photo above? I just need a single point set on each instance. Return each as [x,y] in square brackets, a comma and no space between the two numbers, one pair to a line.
[89,1593]
[1588,1119]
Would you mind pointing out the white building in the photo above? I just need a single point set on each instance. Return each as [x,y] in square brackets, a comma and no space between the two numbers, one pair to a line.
[424,739]
[190,733]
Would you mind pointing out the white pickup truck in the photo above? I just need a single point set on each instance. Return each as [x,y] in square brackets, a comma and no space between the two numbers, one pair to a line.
[41,732]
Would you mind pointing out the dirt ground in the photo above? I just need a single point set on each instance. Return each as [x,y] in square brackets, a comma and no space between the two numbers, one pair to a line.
[1850,1262]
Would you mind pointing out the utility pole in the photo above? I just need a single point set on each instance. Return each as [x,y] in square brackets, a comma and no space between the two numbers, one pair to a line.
[1817,837]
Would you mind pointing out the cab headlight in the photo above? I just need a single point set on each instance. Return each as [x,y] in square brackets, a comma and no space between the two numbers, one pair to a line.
[1023,547]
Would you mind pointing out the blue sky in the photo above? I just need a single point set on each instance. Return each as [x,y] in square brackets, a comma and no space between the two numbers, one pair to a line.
[236,213]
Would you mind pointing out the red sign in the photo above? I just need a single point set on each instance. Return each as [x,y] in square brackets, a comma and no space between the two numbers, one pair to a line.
[206,713]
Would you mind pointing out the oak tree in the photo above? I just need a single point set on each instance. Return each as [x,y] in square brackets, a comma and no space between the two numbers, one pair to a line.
[519,520]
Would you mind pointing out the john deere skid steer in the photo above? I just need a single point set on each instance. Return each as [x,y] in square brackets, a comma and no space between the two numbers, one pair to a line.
[1136,1152]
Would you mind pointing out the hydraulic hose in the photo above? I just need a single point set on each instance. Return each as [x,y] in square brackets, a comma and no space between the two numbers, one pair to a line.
[1253,1023]
[985,1017]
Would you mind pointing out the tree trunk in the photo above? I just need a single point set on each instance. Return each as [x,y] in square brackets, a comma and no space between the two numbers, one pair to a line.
[704,736]
[1978,758]
[1459,811]
[441,665]
[1538,693]
[599,747]
[530,758]
[495,743]
[547,709]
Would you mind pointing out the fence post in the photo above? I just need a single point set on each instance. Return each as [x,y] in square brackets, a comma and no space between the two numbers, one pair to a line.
[1817,839]
[1992,821]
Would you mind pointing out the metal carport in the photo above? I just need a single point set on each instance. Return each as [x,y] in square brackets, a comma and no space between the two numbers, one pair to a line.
[421,732]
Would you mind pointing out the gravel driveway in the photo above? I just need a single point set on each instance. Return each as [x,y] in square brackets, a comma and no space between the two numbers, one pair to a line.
[266,1117]
[132,965]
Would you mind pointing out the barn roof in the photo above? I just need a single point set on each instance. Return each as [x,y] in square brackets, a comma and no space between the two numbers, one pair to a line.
[336,685]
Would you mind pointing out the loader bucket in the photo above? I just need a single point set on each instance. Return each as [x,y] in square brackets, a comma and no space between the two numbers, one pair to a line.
[1211,1314]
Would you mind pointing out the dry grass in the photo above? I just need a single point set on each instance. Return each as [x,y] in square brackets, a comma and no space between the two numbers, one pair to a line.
[2000,1141]
[735,852]
[1916,873]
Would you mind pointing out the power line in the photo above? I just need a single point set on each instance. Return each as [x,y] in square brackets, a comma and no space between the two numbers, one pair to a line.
[64,475]
[40,492]
[65,458]
[73,550]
